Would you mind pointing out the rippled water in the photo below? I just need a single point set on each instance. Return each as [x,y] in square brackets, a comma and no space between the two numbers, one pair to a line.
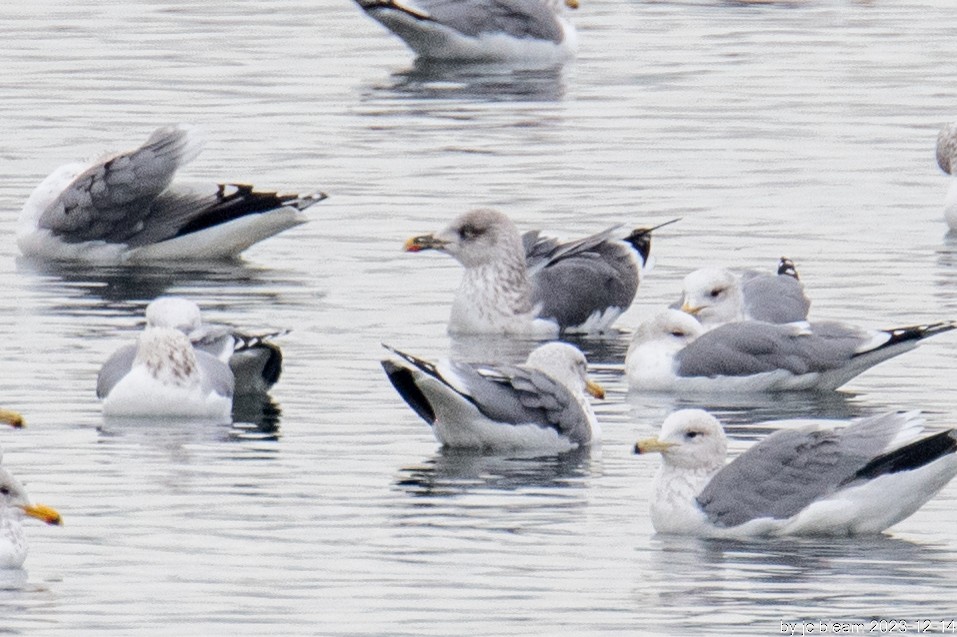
[805,129]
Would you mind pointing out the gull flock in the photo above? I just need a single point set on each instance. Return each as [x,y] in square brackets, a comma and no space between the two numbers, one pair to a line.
[746,332]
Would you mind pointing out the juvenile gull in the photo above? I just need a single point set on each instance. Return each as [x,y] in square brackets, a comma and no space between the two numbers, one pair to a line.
[716,296]
[256,363]
[537,286]
[947,160]
[125,208]
[540,405]
[162,375]
[14,505]
[480,30]
[673,352]
[857,479]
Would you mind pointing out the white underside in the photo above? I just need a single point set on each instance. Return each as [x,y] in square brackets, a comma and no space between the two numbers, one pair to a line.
[435,41]
[950,204]
[13,546]
[140,395]
[459,424]
[223,241]
[597,323]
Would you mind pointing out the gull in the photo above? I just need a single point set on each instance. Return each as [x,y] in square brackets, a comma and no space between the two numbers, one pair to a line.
[163,375]
[124,208]
[673,352]
[716,296]
[852,480]
[14,505]
[480,30]
[255,362]
[539,406]
[537,286]
[947,160]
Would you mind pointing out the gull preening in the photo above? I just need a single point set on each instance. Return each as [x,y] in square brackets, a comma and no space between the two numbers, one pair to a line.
[533,285]
[480,30]
[255,361]
[163,375]
[673,352]
[716,296]
[947,160]
[15,504]
[125,208]
[857,479]
[540,405]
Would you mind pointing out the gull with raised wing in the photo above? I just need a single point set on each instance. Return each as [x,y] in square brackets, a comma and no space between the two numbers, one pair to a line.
[533,285]
[672,352]
[125,208]
[480,30]
[540,405]
[858,479]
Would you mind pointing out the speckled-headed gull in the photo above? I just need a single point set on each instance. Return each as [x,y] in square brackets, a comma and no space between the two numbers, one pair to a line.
[540,405]
[255,362]
[14,505]
[716,296]
[947,160]
[480,30]
[852,480]
[537,286]
[673,352]
[125,208]
[163,375]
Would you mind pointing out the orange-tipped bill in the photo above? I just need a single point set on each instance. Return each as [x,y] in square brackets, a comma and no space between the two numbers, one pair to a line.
[594,389]
[423,242]
[571,4]
[44,513]
[690,309]
[652,445]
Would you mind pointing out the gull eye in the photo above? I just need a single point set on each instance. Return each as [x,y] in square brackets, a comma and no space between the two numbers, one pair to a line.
[469,232]
[691,435]
[5,490]
[715,293]
[677,333]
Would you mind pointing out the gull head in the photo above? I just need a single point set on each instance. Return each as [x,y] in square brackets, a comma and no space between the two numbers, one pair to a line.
[713,296]
[671,330]
[13,497]
[947,147]
[167,355]
[476,238]
[566,364]
[689,439]
[175,313]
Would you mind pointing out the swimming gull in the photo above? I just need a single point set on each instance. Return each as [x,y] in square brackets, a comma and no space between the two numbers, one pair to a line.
[857,479]
[163,375]
[125,208]
[533,285]
[947,160]
[716,296]
[14,505]
[540,405]
[256,362]
[673,352]
[480,30]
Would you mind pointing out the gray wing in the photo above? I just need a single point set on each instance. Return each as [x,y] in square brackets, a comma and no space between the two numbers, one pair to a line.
[775,298]
[214,339]
[790,469]
[571,281]
[111,198]
[114,369]
[752,347]
[947,147]
[216,374]
[518,18]
[518,395]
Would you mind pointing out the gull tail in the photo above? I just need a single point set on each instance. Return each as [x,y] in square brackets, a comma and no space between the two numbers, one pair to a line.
[404,381]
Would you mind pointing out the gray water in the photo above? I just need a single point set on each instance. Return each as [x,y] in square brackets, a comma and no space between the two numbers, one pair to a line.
[804,129]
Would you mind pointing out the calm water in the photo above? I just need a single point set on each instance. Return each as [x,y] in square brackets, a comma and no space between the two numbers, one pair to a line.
[804,130]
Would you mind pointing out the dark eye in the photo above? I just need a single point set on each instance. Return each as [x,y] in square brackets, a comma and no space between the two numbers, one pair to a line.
[468,231]
[691,435]
[677,333]
[715,293]
[5,490]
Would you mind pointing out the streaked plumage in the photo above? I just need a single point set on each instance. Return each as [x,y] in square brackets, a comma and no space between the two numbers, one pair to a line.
[858,479]
[947,160]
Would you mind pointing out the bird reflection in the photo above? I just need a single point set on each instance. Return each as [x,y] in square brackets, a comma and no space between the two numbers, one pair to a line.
[429,79]
[455,471]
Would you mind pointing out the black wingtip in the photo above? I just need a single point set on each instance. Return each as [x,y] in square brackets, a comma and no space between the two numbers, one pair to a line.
[377,5]
[786,267]
[913,456]
[917,332]
[640,238]
[404,383]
